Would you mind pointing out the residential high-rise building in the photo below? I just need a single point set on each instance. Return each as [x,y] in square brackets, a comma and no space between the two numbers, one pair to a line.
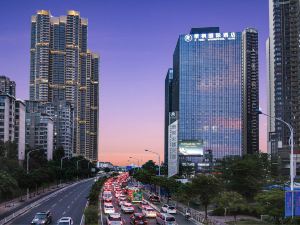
[214,94]
[284,80]
[39,132]
[12,122]
[7,86]
[62,115]
[250,123]
[20,112]
[63,69]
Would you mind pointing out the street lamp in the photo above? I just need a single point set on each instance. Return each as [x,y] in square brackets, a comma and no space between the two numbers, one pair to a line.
[61,164]
[61,161]
[146,150]
[136,159]
[27,167]
[291,143]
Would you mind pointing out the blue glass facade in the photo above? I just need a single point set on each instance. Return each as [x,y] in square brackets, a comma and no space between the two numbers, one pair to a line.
[208,91]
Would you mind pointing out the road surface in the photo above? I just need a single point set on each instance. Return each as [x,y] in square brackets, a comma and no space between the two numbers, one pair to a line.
[179,218]
[70,202]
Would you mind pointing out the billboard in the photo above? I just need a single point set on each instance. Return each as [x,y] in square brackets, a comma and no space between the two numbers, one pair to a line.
[173,149]
[191,147]
[288,204]
[292,209]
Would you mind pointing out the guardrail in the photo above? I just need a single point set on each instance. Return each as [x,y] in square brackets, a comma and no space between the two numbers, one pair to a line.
[35,204]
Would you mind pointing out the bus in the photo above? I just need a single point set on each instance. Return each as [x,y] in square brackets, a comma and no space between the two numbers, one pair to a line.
[135,194]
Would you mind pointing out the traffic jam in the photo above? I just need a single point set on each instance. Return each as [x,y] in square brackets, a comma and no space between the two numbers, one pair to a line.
[122,202]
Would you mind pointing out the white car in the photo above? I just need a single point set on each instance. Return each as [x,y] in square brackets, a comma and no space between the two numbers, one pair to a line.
[127,207]
[149,212]
[165,218]
[114,219]
[107,196]
[171,210]
[164,208]
[65,221]
[122,197]
[121,202]
[118,194]
[108,208]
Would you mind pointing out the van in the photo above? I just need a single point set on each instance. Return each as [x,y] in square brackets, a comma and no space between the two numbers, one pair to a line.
[165,219]
[107,196]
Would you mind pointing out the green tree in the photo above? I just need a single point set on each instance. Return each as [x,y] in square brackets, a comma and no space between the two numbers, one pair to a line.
[271,203]
[106,170]
[231,202]
[143,176]
[185,193]
[91,215]
[205,188]
[58,153]
[8,186]
[150,167]
[9,150]
[244,175]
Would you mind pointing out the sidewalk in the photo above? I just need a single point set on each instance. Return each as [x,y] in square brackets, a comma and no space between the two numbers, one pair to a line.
[9,207]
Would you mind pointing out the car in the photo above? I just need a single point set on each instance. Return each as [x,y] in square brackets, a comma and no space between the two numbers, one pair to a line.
[118,194]
[127,207]
[122,198]
[165,219]
[108,208]
[114,219]
[42,218]
[149,212]
[138,218]
[154,199]
[143,204]
[171,210]
[121,203]
[164,208]
[107,196]
[65,221]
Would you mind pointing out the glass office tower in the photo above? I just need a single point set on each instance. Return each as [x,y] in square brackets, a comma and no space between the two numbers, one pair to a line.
[211,74]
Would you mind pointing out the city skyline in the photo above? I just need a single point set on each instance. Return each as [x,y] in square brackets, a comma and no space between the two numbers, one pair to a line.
[120,105]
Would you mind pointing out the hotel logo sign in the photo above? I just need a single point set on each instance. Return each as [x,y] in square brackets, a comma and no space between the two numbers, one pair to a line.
[210,37]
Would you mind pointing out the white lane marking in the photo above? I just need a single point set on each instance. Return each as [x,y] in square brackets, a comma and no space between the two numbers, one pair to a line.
[68,207]
[53,205]
[64,212]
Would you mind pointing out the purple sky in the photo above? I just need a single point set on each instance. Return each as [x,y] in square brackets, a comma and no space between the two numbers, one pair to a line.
[135,40]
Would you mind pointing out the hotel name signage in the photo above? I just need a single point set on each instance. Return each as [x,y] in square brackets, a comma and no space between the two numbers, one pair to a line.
[210,37]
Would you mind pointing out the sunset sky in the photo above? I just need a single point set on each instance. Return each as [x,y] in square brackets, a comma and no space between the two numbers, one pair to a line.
[135,40]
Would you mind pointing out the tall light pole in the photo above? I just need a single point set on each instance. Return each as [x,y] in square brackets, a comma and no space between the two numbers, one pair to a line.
[146,150]
[291,143]
[61,161]
[27,166]
[61,165]
[136,159]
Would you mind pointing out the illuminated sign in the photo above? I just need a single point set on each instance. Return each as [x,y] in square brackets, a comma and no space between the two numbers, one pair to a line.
[191,147]
[210,37]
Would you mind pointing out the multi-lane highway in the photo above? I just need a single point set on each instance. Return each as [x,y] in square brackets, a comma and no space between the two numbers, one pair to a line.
[180,219]
[70,202]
